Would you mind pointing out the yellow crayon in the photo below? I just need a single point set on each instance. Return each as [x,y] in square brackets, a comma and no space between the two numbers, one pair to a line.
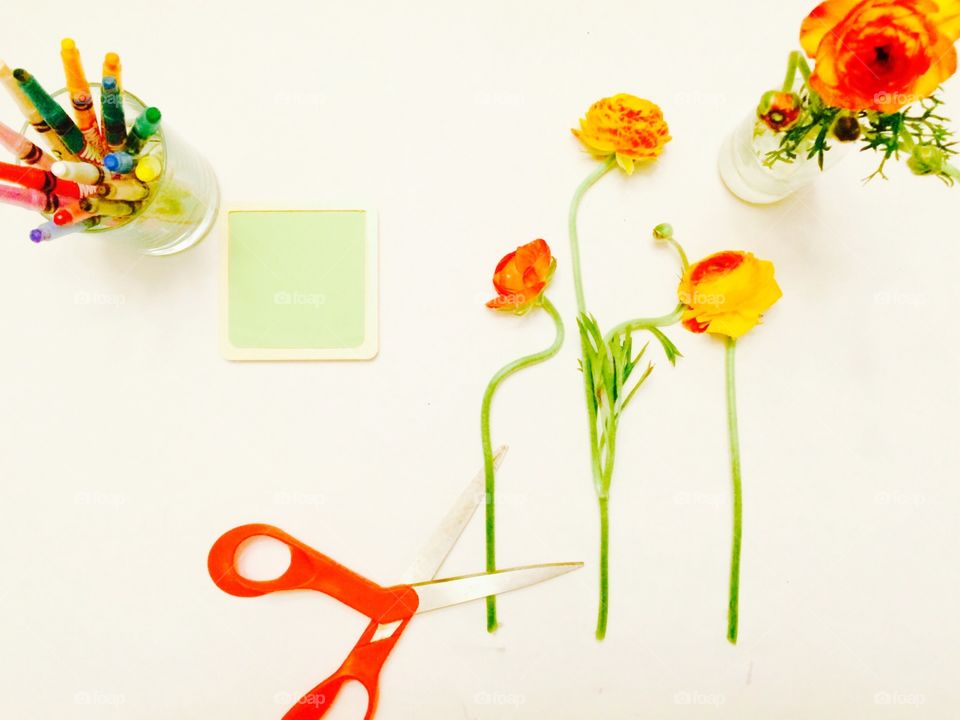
[122,190]
[149,168]
[32,115]
[110,208]
[80,97]
[112,68]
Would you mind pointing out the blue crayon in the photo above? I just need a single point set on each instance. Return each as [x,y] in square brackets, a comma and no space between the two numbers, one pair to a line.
[119,162]
[111,107]
[49,230]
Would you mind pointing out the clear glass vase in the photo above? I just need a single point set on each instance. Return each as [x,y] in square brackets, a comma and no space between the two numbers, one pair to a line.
[743,171]
[184,200]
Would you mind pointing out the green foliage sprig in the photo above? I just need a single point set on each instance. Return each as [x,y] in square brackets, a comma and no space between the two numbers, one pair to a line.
[919,131]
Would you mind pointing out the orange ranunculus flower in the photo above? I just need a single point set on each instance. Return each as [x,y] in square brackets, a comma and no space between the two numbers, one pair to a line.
[727,292]
[626,126]
[881,54]
[522,276]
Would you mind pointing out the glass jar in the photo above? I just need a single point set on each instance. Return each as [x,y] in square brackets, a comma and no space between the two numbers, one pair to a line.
[184,200]
[744,172]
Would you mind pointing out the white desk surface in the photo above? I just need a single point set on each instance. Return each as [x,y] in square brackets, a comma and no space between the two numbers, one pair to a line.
[129,445]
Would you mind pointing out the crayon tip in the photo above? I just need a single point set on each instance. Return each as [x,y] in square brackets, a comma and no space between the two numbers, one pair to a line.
[112,58]
[21,75]
[68,44]
[59,168]
[62,217]
[153,115]
[36,235]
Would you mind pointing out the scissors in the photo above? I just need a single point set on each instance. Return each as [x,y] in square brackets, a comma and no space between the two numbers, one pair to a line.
[390,609]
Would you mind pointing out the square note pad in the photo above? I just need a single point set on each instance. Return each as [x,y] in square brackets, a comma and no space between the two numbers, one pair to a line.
[300,285]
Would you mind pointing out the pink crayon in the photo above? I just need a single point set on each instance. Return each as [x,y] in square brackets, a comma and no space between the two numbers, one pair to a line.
[29,198]
[24,150]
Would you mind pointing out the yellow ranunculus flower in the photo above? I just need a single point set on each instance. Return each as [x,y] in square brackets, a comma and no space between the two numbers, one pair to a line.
[726,293]
[626,126]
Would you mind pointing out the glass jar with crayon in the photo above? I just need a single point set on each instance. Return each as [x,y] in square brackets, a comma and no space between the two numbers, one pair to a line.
[124,174]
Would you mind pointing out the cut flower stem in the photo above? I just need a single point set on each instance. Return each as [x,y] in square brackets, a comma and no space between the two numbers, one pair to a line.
[488,465]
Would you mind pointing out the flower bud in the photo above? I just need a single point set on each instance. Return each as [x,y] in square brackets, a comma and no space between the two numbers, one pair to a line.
[779,110]
[663,231]
[927,160]
[846,128]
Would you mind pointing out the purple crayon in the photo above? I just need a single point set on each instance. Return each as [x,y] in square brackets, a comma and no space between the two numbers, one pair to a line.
[50,230]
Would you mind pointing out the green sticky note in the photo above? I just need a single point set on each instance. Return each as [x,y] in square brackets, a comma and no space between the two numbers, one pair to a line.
[300,285]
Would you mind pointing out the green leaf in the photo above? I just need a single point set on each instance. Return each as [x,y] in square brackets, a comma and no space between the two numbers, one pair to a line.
[636,387]
[669,349]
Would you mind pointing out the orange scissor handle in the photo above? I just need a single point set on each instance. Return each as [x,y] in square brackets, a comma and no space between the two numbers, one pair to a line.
[363,665]
[309,570]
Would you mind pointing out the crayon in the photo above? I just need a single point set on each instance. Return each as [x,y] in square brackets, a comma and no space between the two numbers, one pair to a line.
[37,179]
[55,116]
[143,128]
[111,68]
[119,162]
[31,114]
[49,231]
[149,168]
[111,107]
[123,190]
[111,208]
[29,198]
[69,214]
[80,97]
[79,172]
[24,150]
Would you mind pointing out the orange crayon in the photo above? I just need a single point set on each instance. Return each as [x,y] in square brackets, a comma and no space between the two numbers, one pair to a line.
[112,68]
[80,97]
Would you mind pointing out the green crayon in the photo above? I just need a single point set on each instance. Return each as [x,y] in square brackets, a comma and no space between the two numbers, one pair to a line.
[54,115]
[143,128]
[111,105]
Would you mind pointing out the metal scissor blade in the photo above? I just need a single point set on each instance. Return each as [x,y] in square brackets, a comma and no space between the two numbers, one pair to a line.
[431,557]
[436,594]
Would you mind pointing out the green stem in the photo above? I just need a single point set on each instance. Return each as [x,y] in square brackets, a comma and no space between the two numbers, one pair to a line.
[791,71]
[906,139]
[952,171]
[803,66]
[604,567]
[488,471]
[588,182]
[734,604]
[647,323]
